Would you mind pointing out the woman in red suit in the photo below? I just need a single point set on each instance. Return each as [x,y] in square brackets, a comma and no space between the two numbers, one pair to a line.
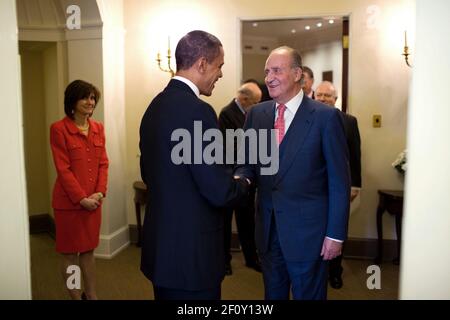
[78,147]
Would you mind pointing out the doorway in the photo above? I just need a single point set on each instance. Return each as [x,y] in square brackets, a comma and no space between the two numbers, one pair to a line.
[40,100]
[321,41]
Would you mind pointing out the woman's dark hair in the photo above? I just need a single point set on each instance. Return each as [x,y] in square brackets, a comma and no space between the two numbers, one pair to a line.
[78,90]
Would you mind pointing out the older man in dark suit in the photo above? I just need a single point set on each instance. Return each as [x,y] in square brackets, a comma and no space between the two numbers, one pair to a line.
[302,209]
[326,93]
[233,117]
[182,251]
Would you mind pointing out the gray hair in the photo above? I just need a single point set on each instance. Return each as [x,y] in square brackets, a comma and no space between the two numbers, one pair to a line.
[295,55]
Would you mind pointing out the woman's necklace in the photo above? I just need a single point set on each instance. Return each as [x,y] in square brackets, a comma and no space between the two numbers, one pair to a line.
[83,128]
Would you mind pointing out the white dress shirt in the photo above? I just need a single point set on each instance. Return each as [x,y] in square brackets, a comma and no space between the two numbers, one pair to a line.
[190,84]
[291,109]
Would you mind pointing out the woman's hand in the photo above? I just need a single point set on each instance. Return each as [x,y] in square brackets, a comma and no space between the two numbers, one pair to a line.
[97,196]
[89,204]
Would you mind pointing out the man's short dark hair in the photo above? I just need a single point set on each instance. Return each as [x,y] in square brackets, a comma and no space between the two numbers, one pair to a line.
[308,71]
[78,90]
[194,45]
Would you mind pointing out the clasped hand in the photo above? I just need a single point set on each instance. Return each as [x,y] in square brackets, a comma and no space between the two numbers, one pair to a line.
[92,202]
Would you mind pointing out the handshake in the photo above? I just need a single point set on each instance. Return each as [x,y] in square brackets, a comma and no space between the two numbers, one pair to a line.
[244,179]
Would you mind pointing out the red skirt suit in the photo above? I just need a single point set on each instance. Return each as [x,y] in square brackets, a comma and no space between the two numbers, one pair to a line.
[82,169]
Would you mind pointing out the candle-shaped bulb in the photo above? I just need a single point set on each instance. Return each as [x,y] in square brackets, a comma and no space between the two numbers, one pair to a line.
[406,43]
[168,46]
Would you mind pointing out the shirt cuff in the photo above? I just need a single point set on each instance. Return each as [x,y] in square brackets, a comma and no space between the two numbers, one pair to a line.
[340,241]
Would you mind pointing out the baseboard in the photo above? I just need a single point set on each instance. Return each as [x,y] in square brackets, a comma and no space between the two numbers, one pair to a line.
[133,233]
[42,223]
[112,244]
[362,248]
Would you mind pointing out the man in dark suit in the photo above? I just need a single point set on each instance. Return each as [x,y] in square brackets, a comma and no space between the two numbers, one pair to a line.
[182,251]
[308,82]
[326,93]
[302,209]
[233,117]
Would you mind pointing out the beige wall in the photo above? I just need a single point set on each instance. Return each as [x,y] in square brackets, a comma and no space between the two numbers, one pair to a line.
[35,128]
[379,79]
[85,62]
[54,78]
[43,105]
[115,224]
[326,57]
[253,67]
[41,108]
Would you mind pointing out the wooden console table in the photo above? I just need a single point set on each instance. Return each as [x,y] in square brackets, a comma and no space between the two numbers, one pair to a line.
[140,199]
[392,202]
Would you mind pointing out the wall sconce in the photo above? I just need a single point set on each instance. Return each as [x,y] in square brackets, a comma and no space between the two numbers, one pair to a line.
[158,59]
[406,52]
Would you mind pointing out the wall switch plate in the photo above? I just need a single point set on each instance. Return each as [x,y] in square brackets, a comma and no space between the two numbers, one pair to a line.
[376,121]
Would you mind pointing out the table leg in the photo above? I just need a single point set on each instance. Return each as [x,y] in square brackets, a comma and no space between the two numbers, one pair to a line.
[139,223]
[398,229]
[380,211]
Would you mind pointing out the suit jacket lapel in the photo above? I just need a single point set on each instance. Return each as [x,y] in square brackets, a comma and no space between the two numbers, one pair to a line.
[269,119]
[267,123]
[295,137]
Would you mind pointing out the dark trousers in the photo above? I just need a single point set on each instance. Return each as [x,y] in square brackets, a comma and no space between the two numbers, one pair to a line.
[162,293]
[335,267]
[245,222]
[306,279]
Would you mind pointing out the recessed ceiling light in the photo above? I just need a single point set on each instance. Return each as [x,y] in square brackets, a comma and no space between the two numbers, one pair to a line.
[319,24]
[307,27]
[255,24]
[331,21]
[293,31]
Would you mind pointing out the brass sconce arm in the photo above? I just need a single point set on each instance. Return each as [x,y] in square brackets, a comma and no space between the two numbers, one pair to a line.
[169,56]
[406,52]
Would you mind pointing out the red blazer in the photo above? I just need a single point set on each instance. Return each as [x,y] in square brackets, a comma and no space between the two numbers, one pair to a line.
[81,163]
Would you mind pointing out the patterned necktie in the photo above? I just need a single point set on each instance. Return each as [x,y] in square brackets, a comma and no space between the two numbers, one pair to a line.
[280,124]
